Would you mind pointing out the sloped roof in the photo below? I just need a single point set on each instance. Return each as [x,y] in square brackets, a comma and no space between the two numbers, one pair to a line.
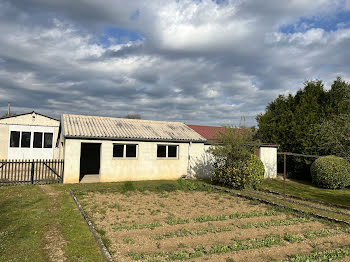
[208,132]
[82,126]
[29,113]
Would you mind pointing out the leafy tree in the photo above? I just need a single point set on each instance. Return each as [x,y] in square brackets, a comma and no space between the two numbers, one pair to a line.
[293,121]
[235,165]
[133,116]
[334,135]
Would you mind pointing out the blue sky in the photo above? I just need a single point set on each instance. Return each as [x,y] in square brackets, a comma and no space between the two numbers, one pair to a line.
[201,62]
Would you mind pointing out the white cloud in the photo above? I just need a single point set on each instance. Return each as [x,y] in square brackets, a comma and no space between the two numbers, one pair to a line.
[198,62]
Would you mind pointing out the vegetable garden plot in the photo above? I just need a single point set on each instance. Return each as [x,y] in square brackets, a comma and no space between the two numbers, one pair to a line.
[206,226]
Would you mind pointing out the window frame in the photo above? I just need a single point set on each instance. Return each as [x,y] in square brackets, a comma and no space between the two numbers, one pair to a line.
[42,140]
[19,139]
[52,137]
[30,139]
[167,151]
[124,151]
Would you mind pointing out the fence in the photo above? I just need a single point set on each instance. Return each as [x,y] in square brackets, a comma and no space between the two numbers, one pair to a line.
[31,171]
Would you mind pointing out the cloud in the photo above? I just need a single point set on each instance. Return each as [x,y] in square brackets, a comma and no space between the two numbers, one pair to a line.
[192,61]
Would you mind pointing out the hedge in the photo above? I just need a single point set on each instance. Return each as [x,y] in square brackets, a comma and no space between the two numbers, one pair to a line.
[331,172]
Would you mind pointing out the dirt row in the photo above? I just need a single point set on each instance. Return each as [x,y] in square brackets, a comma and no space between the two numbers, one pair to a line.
[112,211]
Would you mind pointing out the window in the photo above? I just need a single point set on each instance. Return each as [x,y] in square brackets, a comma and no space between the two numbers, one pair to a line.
[118,150]
[14,139]
[172,151]
[161,151]
[25,140]
[38,140]
[125,150]
[48,140]
[130,150]
[167,151]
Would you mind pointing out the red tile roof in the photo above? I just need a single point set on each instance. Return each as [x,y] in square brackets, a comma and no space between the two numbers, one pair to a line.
[208,132]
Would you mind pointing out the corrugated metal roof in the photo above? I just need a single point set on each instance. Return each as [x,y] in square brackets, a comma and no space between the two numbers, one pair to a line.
[81,126]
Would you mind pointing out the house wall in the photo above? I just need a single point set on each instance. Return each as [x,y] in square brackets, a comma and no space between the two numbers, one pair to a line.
[268,156]
[145,167]
[29,122]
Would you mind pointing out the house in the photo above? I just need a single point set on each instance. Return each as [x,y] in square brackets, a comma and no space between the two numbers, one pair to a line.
[110,149]
[28,136]
[267,152]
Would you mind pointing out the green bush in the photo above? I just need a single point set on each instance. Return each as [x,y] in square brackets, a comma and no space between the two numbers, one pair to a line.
[241,174]
[331,172]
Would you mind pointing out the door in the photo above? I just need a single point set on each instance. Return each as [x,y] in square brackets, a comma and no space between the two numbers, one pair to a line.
[90,159]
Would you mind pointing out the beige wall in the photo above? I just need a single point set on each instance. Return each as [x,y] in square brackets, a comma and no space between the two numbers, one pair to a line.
[268,156]
[4,141]
[24,120]
[145,167]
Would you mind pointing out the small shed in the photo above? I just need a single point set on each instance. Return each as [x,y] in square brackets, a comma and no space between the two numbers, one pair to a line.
[267,152]
[28,136]
[106,149]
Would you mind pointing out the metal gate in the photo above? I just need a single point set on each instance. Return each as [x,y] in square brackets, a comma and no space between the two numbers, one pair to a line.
[31,171]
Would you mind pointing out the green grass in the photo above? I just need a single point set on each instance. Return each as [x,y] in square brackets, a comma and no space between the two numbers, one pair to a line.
[307,190]
[26,214]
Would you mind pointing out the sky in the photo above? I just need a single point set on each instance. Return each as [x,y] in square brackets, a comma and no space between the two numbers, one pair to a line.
[195,61]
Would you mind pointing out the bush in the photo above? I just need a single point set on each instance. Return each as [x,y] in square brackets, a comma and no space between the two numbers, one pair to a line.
[239,175]
[331,172]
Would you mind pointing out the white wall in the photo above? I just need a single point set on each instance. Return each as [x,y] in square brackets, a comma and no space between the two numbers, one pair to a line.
[268,156]
[145,167]
[31,153]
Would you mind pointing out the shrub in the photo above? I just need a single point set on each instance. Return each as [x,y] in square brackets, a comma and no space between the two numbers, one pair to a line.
[331,172]
[239,175]
[128,186]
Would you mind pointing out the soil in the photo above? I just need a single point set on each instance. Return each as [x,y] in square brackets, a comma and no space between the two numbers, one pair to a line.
[53,239]
[110,210]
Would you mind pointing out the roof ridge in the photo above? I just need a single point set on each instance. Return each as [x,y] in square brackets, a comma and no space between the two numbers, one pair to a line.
[124,119]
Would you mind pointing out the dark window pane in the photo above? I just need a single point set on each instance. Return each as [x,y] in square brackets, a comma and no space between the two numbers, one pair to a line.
[14,139]
[130,150]
[161,151]
[118,150]
[25,141]
[48,140]
[172,151]
[38,140]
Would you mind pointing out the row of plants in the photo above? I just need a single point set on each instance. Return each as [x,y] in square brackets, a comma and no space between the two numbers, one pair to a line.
[320,256]
[198,219]
[202,231]
[236,245]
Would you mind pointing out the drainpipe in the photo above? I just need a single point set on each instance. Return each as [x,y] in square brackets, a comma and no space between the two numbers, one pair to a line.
[189,175]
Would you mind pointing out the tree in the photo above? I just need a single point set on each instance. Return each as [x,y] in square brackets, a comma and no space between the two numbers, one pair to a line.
[334,135]
[293,121]
[133,116]
[235,165]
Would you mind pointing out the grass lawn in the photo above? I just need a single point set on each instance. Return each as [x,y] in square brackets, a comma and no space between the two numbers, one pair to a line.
[27,214]
[307,190]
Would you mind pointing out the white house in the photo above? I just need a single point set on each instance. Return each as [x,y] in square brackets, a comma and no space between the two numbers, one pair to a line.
[110,149]
[28,136]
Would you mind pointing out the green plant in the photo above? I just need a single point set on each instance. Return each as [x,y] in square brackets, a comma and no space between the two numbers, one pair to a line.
[128,186]
[166,187]
[331,172]
[247,173]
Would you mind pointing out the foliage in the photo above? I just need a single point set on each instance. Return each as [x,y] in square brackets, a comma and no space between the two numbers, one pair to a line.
[331,172]
[334,135]
[243,174]
[128,186]
[235,165]
[293,121]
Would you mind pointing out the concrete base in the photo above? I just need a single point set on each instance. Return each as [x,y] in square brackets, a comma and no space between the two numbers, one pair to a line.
[90,179]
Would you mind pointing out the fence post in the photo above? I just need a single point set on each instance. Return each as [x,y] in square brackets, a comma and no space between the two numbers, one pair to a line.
[32,173]
[284,174]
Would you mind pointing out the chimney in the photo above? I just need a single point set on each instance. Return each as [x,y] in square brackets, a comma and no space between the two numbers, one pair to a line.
[9,109]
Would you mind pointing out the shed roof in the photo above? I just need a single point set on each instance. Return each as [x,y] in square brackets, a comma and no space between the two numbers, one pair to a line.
[208,132]
[82,126]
